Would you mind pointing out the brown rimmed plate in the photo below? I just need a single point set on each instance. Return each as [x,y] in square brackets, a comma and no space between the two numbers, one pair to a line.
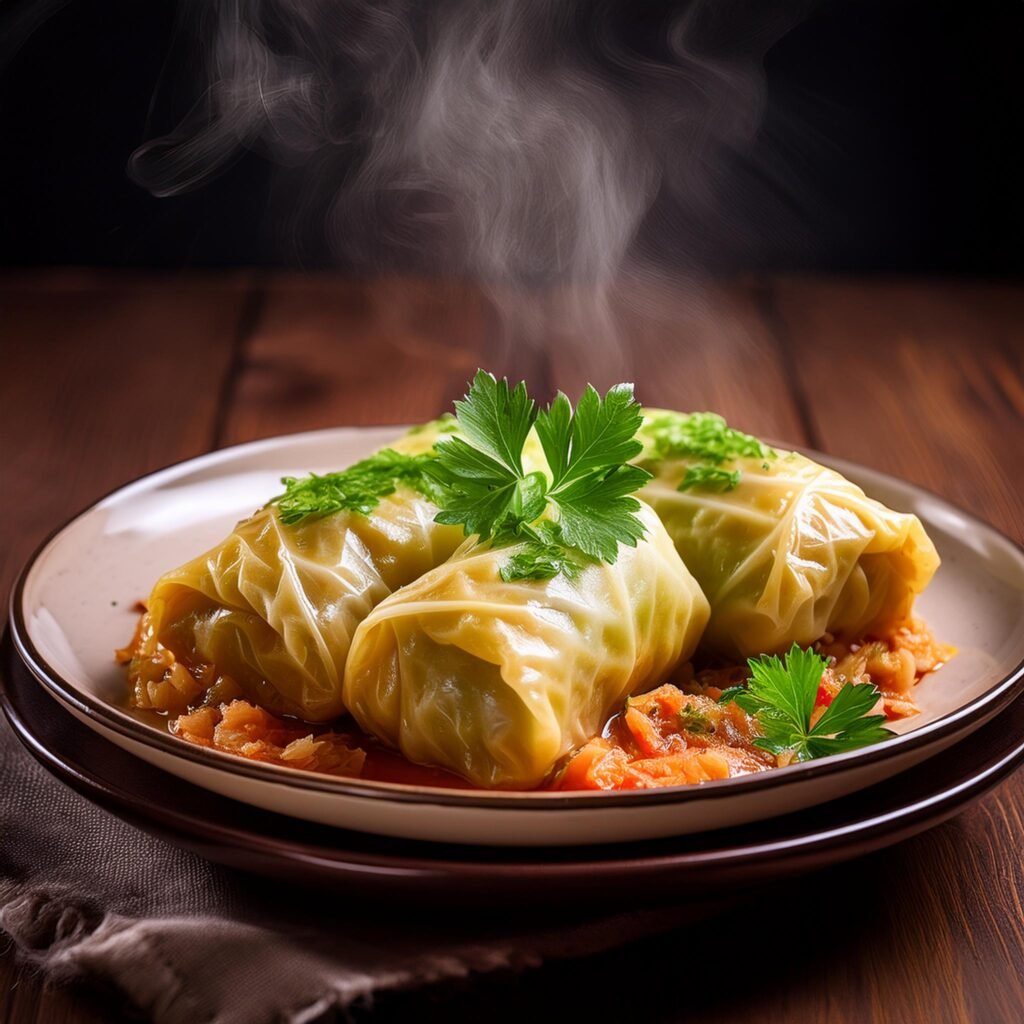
[404,871]
[73,605]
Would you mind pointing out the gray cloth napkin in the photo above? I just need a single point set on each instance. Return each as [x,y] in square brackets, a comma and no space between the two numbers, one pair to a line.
[84,895]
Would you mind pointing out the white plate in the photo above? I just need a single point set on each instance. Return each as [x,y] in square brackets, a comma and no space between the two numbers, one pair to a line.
[73,606]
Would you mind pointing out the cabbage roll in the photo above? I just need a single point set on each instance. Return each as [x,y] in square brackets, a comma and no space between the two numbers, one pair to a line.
[784,548]
[275,605]
[498,680]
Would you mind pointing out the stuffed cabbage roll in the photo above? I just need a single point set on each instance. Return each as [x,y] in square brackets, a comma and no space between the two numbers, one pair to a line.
[497,680]
[784,548]
[275,605]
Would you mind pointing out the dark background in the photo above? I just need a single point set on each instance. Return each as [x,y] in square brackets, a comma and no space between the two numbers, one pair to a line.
[910,120]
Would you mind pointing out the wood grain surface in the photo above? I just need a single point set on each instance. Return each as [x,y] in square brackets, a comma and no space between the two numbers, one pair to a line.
[106,377]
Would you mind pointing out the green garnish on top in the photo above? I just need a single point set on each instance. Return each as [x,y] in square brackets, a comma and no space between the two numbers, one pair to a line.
[710,478]
[484,487]
[782,697]
[707,437]
[702,435]
[588,451]
[543,556]
[356,489]
[582,513]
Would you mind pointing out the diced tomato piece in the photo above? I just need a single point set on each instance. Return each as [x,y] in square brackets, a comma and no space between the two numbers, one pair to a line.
[644,732]
[648,745]
[669,700]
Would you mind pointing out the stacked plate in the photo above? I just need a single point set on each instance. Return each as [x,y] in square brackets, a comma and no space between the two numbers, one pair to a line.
[65,698]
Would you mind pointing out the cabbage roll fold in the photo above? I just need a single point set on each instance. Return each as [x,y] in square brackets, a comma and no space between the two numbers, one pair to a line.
[784,548]
[276,604]
[498,680]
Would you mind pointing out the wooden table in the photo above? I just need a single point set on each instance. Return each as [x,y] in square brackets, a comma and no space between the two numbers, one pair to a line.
[108,376]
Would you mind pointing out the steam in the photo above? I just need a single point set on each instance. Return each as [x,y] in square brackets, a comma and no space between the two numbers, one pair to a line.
[523,143]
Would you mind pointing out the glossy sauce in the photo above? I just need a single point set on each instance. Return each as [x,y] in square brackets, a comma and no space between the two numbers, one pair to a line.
[643,744]
[382,764]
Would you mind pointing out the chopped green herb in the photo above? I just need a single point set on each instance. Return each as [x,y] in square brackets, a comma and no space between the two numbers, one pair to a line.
[709,478]
[706,437]
[539,562]
[356,489]
[543,555]
[702,435]
[781,696]
[692,719]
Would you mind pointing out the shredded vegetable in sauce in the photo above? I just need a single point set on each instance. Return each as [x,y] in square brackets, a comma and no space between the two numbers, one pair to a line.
[677,734]
[575,597]
[680,734]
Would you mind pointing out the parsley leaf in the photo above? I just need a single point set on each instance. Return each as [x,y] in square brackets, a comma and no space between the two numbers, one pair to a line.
[554,428]
[586,506]
[597,513]
[497,419]
[591,486]
[781,696]
[729,694]
[599,435]
[356,489]
[483,486]
[482,503]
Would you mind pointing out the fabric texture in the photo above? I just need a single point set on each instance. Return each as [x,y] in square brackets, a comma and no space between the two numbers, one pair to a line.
[84,895]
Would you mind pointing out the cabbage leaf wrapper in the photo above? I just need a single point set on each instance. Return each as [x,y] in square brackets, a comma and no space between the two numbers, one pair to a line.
[498,680]
[275,605]
[790,551]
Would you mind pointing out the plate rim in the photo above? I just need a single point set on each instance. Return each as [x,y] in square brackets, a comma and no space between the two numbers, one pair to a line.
[872,831]
[994,700]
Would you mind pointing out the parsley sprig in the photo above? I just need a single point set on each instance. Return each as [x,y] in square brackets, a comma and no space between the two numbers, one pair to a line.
[591,486]
[704,436]
[582,513]
[484,486]
[542,556]
[781,696]
[710,478]
[357,489]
